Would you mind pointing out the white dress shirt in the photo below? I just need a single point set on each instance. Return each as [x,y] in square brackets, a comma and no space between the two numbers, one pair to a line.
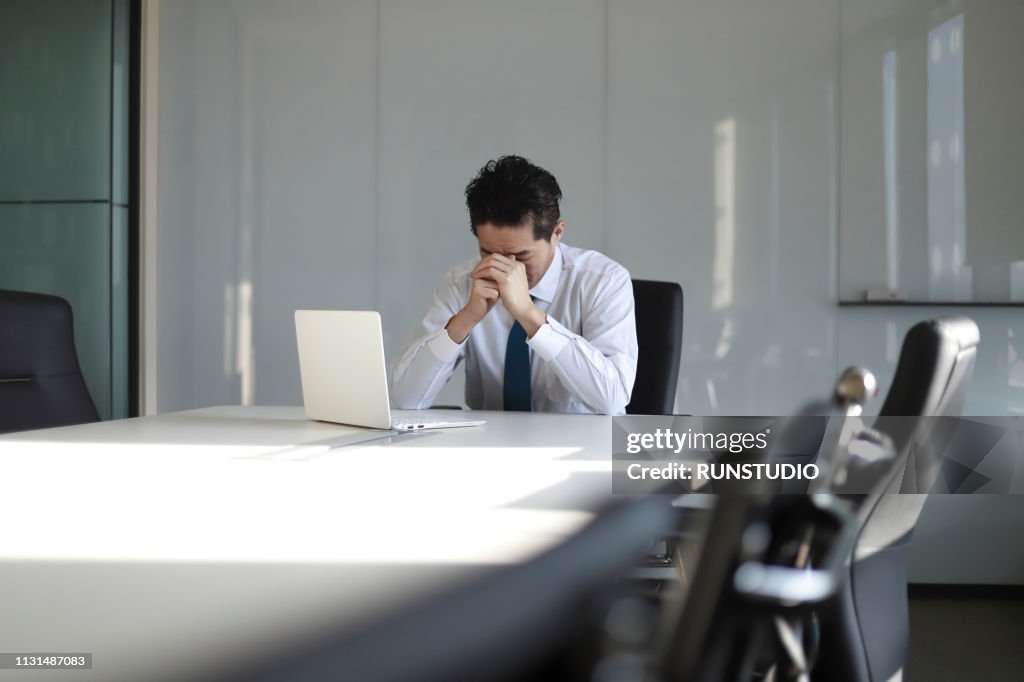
[582,360]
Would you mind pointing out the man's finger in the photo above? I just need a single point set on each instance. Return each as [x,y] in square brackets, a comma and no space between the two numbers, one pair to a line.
[495,260]
[492,258]
[486,285]
[493,274]
[488,265]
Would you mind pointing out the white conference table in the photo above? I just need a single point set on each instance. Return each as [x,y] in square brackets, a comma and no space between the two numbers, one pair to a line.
[172,546]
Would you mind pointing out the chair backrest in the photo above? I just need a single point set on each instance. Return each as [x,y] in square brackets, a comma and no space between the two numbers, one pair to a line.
[931,380]
[659,335]
[41,383]
[704,632]
[934,369]
[751,575]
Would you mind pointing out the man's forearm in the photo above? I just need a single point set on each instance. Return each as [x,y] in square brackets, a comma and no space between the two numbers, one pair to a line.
[459,326]
[594,379]
[420,374]
[602,378]
[532,320]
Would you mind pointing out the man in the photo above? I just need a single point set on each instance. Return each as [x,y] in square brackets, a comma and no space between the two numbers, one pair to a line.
[542,326]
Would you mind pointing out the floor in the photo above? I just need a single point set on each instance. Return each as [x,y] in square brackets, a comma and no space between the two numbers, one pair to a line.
[959,639]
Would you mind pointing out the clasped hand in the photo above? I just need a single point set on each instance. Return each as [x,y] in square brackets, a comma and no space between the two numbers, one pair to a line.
[498,276]
[495,277]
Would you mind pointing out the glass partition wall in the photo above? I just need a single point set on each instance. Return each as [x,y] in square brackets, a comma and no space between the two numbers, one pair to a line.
[65,197]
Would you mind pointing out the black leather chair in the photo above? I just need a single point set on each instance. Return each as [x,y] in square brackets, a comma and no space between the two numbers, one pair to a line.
[41,383]
[863,616]
[659,334]
[768,562]
[867,636]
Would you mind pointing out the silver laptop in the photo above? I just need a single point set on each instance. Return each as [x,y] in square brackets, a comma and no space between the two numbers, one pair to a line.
[344,380]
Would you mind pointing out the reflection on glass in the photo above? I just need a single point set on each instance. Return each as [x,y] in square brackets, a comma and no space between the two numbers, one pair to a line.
[930,208]
[229,329]
[892,219]
[725,214]
[244,354]
[724,340]
[774,245]
[1017,281]
[1014,361]
[712,394]
[948,278]
[893,341]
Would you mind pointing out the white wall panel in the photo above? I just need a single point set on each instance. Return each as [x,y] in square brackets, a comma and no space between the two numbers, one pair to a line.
[267,184]
[464,81]
[314,154]
[721,149]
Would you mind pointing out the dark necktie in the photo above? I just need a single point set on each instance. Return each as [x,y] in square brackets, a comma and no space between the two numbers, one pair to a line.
[517,371]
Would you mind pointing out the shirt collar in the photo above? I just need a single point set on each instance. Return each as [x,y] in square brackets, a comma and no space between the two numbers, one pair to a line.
[548,284]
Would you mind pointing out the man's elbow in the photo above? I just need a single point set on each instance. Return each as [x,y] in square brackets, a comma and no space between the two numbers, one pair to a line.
[618,394]
[613,402]
[402,403]
[410,404]
[402,399]
[612,409]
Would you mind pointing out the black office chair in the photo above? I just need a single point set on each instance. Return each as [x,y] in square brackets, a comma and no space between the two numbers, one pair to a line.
[41,383]
[769,562]
[866,636]
[857,624]
[659,334]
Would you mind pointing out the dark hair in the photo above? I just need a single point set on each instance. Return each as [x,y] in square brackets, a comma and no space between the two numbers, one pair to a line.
[510,191]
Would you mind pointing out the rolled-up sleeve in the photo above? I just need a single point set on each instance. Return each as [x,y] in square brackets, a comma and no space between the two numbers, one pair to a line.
[599,365]
[431,356]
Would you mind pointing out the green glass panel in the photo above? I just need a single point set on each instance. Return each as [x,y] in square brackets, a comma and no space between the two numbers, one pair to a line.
[119,103]
[119,333]
[55,99]
[64,249]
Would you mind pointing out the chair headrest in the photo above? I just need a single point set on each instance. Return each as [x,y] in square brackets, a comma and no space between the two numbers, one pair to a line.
[963,330]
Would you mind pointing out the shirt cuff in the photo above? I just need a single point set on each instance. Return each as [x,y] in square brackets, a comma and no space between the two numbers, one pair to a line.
[443,348]
[550,339]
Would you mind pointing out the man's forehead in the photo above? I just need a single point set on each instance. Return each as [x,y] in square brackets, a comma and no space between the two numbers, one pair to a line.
[500,239]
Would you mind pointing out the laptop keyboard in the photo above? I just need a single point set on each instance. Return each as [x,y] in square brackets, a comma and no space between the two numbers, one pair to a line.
[405,424]
[413,424]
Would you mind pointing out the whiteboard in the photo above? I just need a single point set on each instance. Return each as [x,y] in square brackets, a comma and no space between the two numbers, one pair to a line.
[931,189]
